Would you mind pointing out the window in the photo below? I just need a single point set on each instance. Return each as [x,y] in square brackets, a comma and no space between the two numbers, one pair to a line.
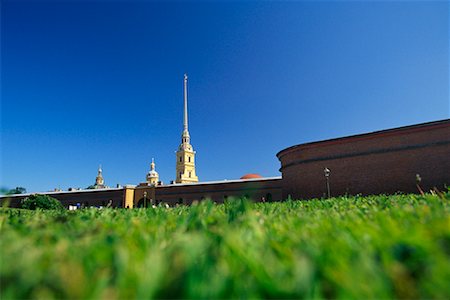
[181,174]
[141,203]
[189,159]
[180,159]
[190,174]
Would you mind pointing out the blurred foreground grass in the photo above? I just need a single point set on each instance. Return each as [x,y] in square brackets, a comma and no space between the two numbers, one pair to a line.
[357,247]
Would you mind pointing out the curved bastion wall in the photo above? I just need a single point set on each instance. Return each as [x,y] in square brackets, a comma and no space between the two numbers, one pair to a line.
[385,161]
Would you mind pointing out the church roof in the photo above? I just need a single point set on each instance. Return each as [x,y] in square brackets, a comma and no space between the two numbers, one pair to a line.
[251,176]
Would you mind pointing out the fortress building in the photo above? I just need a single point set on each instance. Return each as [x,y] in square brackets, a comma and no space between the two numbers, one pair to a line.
[387,161]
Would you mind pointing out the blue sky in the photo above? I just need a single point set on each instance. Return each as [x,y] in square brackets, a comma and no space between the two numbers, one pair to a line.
[85,83]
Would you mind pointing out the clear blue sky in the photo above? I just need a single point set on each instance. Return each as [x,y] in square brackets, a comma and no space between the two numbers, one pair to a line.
[100,82]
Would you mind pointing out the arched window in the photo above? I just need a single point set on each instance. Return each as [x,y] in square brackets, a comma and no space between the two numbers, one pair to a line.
[141,203]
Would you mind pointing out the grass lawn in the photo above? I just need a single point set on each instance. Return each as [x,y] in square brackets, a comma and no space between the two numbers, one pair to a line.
[349,247]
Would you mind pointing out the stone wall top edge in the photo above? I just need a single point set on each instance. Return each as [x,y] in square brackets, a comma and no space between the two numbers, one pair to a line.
[225,182]
[62,192]
[370,135]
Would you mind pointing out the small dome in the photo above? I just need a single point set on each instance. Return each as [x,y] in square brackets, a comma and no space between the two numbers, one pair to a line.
[251,176]
[153,173]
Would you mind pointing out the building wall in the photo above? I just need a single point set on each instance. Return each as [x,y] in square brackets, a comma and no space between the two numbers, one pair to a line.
[86,198]
[129,197]
[254,189]
[380,162]
[132,197]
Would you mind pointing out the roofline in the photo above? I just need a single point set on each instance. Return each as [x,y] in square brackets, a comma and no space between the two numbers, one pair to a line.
[143,187]
[390,131]
[217,182]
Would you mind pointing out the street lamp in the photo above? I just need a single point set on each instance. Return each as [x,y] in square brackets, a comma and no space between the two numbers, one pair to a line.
[327,173]
[418,181]
[145,199]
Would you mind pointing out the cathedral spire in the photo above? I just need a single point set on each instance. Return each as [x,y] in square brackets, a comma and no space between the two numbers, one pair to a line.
[152,165]
[185,138]
[185,120]
[185,154]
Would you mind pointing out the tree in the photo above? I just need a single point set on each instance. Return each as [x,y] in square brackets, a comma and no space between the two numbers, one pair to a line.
[41,201]
[17,190]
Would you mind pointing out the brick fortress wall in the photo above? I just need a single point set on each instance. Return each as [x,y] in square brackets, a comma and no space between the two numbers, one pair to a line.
[256,190]
[85,198]
[380,162]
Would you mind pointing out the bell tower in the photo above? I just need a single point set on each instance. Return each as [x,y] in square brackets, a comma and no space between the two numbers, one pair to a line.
[152,176]
[185,154]
[99,181]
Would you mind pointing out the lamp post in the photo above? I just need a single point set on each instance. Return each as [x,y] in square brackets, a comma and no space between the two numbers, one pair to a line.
[327,173]
[418,181]
[145,199]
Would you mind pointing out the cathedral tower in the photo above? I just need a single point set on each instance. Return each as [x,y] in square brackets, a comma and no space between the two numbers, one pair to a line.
[99,181]
[185,153]
[152,175]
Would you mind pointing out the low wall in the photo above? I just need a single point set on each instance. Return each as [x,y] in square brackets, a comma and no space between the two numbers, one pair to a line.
[257,190]
[380,162]
[85,198]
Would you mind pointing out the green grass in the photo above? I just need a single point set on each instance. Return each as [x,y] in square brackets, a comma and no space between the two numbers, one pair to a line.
[356,247]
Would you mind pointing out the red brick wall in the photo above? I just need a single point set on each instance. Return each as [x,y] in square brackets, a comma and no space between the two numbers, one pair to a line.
[254,189]
[86,198]
[381,162]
